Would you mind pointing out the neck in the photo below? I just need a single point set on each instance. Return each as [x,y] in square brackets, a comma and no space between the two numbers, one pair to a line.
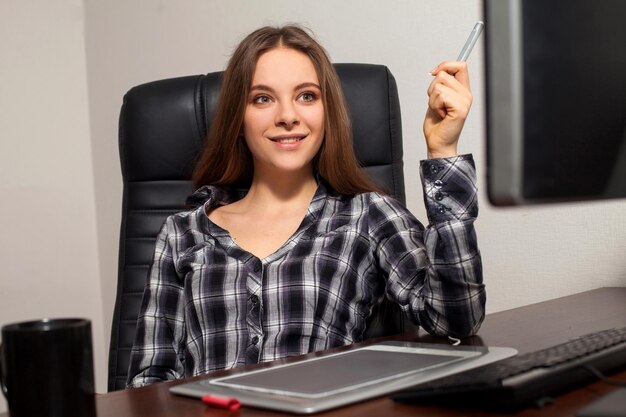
[289,189]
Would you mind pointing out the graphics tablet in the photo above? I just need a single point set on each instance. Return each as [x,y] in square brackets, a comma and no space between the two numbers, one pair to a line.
[332,380]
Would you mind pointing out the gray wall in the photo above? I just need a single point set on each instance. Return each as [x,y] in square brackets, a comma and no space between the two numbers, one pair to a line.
[66,66]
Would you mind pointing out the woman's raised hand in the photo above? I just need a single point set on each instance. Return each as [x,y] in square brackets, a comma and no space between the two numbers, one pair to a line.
[449,102]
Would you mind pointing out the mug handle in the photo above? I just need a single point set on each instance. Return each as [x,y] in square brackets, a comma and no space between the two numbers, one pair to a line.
[2,381]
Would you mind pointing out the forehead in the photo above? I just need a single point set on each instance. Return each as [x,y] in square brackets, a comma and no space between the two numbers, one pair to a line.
[284,66]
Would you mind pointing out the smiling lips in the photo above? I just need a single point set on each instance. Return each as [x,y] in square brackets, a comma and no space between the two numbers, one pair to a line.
[288,139]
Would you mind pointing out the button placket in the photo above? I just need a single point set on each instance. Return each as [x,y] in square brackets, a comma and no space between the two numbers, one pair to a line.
[253,317]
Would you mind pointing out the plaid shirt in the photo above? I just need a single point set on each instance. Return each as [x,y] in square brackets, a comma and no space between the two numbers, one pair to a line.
[210,305]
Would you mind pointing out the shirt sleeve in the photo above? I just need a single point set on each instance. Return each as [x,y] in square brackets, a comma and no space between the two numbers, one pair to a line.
[157,354]
[435,273]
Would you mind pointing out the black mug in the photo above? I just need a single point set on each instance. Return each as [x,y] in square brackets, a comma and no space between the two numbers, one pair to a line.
[46,368]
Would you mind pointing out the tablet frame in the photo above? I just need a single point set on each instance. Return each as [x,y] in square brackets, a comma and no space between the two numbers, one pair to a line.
[301,403]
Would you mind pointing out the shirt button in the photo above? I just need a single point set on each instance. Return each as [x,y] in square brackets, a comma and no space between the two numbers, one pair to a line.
[434,169]
[257,267]
[255,340]
[441,209]
[254,299]
[438,184]
[438,196]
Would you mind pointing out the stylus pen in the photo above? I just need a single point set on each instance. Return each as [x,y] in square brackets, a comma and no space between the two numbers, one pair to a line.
[231,404]
[471,41]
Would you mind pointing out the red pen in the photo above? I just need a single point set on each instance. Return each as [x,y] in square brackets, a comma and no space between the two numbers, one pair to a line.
[231,404]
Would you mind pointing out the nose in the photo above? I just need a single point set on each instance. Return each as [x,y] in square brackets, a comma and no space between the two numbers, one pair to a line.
[287,115]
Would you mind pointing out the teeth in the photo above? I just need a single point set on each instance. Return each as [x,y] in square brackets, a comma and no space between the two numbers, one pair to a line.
[288,140]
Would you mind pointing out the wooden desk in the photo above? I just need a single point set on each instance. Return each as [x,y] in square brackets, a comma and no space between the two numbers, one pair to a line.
[526,328]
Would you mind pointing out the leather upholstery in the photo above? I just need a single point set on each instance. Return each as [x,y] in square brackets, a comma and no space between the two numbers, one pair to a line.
[163,126]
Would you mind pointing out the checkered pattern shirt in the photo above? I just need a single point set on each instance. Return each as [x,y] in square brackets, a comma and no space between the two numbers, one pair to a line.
[210,305]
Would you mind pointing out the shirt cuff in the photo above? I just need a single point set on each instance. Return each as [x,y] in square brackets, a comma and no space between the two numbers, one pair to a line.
[450,191]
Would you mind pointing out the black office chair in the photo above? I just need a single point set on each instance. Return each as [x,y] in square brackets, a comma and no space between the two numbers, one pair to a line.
[163,127]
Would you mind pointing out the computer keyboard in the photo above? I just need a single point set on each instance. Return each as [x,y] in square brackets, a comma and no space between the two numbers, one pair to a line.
[527,378]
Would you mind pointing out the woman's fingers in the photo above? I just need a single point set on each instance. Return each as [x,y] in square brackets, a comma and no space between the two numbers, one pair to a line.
[448,99]
[446,79]
[456,69]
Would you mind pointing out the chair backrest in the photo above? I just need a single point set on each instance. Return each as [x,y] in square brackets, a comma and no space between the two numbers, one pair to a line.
[163,127]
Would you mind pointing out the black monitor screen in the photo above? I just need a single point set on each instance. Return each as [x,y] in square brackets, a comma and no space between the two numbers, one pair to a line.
[556,89]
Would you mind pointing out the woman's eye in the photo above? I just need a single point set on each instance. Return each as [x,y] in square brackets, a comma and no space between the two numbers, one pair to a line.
[308,96]
[261,100]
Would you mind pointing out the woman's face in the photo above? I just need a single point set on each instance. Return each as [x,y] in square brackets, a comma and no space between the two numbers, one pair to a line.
[284,118]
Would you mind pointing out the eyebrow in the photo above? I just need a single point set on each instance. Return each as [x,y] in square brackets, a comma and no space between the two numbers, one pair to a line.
[264,87]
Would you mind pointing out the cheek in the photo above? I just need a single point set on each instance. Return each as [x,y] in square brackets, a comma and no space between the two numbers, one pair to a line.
[320,124]
[250,131]
[320,141]
[248,123]
[315,118]
[255,120]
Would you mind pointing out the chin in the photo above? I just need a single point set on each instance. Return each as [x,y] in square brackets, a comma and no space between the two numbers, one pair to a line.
[293,168]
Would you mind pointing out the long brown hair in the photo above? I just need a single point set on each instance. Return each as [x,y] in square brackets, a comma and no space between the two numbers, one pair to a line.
[227,161]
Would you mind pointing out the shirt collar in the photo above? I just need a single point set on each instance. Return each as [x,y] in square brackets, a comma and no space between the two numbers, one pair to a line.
[215,196]
[209,196]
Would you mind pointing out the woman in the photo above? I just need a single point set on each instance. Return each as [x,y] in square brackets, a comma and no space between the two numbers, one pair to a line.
[297,263]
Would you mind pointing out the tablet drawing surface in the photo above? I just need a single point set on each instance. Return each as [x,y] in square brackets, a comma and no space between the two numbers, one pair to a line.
[333,374]
[335,379]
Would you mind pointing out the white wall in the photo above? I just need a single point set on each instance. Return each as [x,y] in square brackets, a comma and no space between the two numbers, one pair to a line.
[529,254]
[48,244]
